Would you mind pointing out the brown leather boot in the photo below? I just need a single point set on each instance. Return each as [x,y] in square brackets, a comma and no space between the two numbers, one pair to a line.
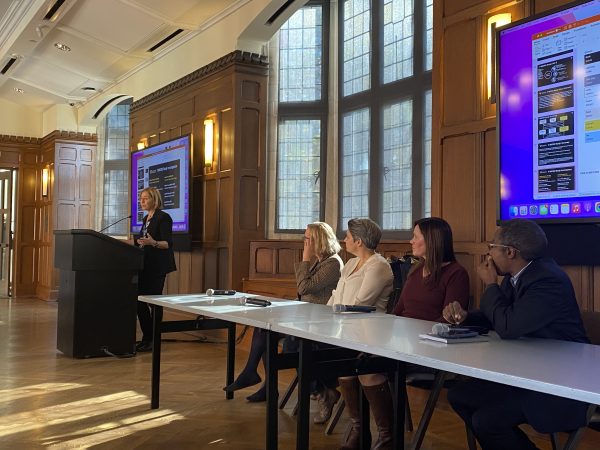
[350,394]
[380,400]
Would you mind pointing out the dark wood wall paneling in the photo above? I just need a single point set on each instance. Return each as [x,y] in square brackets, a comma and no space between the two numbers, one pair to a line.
[227,209]
[34,272]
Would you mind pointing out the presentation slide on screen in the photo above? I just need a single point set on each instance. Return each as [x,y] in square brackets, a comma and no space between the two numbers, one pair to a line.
[549,115]
[165,167]
[563,104]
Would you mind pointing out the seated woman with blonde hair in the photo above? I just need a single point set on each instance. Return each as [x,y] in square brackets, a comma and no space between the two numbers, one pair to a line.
[316,276]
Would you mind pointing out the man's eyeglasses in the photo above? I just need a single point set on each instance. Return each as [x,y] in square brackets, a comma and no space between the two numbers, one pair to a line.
[491,245]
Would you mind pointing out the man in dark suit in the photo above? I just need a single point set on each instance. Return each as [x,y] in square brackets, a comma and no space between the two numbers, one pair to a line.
[535,299]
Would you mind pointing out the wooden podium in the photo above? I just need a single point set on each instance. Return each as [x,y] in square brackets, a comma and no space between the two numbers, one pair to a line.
[97,297]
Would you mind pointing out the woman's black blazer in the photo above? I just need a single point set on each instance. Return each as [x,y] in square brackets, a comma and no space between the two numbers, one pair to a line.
[159,261]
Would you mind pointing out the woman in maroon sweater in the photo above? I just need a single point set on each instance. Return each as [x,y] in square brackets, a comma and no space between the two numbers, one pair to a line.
[433,283]
[437,280]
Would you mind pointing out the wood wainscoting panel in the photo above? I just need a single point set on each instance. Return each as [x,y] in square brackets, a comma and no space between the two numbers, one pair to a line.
[545,5]
[286,259]
[26,276]
[225,198]
[453,6]
[226,140]
[249,205]
[223,275]
[66,174]
[210,267]
[582,284]
[178,110]
[251,91]
[263,261]
[27,224]
[460,85]
[65,216]
[490,194]
[211,212]
[271,287]
[251,146]
[85,182]
[459,186]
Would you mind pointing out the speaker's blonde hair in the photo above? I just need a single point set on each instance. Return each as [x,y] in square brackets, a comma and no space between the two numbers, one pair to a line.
[155,197]
[324,239]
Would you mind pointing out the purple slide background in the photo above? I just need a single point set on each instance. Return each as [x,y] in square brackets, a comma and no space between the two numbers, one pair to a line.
[181,226]
[516,117]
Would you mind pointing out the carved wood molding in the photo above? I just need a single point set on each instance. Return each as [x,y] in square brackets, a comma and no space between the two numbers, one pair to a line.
[59,135]
[8,139]
[235,57]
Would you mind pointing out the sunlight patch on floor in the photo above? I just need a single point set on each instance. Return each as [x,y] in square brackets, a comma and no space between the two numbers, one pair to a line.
[9,395]
[109,431]
[44,417]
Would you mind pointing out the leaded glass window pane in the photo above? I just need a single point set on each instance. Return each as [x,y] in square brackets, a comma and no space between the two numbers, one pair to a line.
[300,56]
[298,173]
[397,166]
[428,34]
[427,157]
[116,170]
[357,46]
[398,31]
[355,166]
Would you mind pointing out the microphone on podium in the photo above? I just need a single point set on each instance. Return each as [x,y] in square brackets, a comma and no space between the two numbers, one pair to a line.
[114,223]
[337,308]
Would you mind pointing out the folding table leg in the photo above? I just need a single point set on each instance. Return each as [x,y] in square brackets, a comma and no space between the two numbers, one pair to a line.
[304,378]
[399,404]
[272,381]
[157,315]
[230,358]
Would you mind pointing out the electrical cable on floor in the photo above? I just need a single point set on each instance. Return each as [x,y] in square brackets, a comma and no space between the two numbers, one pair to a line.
[124,355]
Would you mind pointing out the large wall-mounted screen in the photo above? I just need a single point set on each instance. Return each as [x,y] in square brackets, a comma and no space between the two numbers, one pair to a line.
[164,166]
[549,116]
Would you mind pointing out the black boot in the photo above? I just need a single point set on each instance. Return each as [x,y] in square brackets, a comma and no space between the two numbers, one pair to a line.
[380,401]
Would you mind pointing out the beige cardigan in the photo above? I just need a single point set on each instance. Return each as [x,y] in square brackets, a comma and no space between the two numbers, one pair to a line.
[372,284]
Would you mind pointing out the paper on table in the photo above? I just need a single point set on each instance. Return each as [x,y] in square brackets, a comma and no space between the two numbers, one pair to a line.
[435,337]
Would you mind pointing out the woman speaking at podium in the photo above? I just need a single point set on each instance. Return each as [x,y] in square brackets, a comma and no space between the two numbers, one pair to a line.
[156,240]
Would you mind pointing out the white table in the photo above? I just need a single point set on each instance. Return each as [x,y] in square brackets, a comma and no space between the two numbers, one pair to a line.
[224,312]
[566,369]
[559,368]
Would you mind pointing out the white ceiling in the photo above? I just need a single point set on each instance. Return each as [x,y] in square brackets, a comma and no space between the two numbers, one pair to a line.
[108,40]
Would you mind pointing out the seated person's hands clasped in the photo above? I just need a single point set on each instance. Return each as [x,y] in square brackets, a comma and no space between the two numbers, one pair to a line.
[453,313]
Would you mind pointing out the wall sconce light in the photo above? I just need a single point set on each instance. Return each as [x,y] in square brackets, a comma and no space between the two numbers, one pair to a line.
[494,22]
[209,134]
[45,176]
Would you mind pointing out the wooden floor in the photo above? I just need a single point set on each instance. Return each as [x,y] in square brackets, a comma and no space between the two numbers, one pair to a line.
[51,401]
